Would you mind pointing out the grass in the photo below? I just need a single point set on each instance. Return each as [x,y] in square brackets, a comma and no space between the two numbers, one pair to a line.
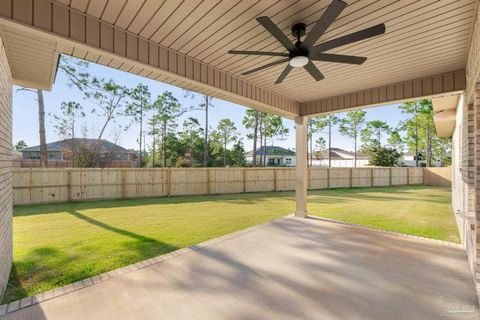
[62,243]
[420,211]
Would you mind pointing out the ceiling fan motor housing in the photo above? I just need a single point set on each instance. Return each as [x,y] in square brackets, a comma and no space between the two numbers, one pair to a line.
[298,30]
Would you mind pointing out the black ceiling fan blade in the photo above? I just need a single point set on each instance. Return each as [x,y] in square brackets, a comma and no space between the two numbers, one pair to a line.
[268,65]
[284,74]
[349,38]
[339,58]
[259,53]
[328,17]
[313,70]
[276,32]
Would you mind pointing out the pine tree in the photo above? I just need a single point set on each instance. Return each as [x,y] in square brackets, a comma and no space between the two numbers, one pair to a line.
[351,126]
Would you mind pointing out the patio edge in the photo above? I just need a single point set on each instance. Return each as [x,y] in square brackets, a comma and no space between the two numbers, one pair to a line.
[85,283]
[404,235]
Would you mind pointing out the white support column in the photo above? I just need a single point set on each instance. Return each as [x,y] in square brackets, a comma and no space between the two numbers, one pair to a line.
[301,172]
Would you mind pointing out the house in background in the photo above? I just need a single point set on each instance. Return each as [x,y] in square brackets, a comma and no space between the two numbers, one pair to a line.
[339,158]
[57,153]
[275,156]
[408,160]
[16,158]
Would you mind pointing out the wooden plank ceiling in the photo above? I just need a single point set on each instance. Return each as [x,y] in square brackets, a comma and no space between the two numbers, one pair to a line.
[33,60]
[423,38]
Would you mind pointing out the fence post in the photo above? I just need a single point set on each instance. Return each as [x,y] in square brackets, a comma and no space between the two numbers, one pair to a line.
[30,188]
[101,182]
[274,179]
[208,180]
[371,177]
[82,187]
[350,181]
[124,184]
[153,176]
[328,177]
[390,178]
[244,180]
[408,176]
[169,181]
[162,181]
[69,184]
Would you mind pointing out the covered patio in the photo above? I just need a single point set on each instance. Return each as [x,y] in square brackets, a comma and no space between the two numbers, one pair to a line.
[331,271]
[313,269]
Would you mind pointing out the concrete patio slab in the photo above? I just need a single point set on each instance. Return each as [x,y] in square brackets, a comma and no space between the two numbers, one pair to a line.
[290,269]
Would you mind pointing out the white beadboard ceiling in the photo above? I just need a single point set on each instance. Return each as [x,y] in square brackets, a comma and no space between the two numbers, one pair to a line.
[423,37]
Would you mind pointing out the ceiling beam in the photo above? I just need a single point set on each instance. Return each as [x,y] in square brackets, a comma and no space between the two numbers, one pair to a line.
[435,85]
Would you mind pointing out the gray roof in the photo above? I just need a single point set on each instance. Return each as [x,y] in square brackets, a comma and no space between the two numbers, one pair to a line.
[62,145]
[336,153]
[272,151]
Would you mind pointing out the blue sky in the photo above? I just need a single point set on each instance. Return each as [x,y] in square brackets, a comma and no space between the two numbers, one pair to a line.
[25,115]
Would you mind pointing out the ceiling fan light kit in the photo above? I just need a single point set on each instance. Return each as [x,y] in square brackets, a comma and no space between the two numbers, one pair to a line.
[298,61]
[301,54]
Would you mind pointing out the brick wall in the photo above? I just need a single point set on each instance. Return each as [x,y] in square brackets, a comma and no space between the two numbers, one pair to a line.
[471,148]
[468,172]
[476,175]
[5,169]
[463,195]
[458,166]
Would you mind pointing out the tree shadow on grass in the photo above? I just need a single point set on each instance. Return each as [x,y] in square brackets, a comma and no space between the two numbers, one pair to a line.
[46,267]
[321,198]
[337,195]
[108,227]
[399,193]
[239,199]
[141,248]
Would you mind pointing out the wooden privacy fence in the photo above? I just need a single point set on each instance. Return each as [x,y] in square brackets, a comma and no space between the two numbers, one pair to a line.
[35,185]
[438,177]
[29,163]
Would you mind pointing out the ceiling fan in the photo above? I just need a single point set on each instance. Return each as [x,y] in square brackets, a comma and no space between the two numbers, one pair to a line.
[302,53]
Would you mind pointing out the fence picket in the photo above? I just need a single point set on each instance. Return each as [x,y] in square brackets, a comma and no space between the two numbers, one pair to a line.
[38,185]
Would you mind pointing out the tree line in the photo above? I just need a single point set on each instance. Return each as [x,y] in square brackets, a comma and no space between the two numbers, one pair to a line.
[172,144]
[192,145]
[416,134]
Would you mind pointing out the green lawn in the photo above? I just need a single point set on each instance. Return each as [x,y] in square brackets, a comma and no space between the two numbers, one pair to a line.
[421,211]
[59,244]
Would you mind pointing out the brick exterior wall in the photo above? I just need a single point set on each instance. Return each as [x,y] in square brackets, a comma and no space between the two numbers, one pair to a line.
[463,179]
[468,156]
[6,194]
[468,176]
[476,111]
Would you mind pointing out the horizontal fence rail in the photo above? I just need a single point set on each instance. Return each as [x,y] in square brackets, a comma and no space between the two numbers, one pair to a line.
[35,185]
